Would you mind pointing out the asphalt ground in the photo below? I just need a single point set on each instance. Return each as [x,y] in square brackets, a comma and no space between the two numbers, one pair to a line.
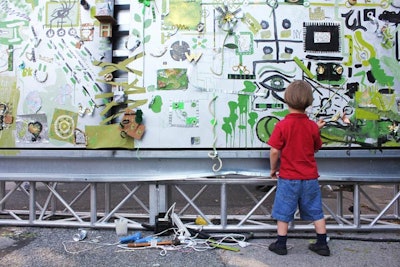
[40,246]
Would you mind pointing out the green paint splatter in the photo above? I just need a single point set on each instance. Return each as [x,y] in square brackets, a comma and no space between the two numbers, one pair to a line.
[380,74]
[156,104]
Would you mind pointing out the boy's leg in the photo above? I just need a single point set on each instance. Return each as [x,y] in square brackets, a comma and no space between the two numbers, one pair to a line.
[283,210]
[321,246]
[282,228]
[311,209]
[279,246]
[320,226]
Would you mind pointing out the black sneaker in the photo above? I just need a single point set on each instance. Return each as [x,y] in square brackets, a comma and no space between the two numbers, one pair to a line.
[322,250]
[280,250]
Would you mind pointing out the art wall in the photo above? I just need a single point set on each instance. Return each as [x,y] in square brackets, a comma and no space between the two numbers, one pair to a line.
[197,74]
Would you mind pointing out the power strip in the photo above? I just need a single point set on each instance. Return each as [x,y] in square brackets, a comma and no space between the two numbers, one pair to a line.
[177,221]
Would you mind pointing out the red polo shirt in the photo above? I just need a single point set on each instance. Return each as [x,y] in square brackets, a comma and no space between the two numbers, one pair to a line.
[298,138]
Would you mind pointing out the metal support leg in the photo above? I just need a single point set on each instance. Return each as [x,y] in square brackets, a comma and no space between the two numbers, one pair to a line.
[339,203]
[2,193]
[32,202]
[107,198]
[157,201]
[356,205]
[163,198]
[397,204]
[224,220]
[93,203]
[53,199]
[153,203]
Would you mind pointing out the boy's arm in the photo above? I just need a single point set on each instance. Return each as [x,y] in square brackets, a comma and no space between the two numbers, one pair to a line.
[274,159]
[320,123]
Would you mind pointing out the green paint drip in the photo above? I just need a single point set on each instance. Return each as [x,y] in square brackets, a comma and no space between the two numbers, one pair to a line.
[239,117]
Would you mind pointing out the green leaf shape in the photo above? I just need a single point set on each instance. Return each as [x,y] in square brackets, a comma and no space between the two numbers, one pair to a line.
[231,46]
[147,23]
[137,18]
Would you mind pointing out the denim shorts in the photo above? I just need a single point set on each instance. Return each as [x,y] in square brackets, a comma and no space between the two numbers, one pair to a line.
[304,194]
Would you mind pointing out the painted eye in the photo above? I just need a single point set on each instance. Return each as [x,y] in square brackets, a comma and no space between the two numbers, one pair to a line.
[288,50]
[264,24]
[267,50]
[286,24]
[275,83]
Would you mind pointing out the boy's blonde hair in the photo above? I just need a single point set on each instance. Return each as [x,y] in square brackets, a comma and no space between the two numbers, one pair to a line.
[299,95]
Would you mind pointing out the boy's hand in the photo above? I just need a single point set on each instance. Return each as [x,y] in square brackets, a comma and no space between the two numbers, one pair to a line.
[274,174]
[321,123]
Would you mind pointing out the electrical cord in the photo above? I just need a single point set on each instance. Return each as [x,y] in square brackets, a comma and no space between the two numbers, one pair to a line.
[97,246]
[164,249]
[231,241]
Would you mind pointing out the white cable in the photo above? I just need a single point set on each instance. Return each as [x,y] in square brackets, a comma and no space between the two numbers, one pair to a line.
[163,252]
[172,208]
[98,245]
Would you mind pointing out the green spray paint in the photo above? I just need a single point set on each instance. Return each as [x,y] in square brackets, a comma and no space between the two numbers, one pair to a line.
[240,119]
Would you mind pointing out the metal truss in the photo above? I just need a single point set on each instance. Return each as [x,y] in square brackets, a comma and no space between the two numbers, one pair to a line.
[365,212]
[72,204]
[99,204]
[93,189]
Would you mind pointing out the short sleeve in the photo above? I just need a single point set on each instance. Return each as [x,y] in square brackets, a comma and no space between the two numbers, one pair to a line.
[276,138]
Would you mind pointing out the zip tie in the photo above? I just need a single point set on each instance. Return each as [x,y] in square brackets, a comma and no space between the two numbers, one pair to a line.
[153,243]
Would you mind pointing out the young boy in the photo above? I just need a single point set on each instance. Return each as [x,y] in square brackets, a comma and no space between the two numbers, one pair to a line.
[294,141]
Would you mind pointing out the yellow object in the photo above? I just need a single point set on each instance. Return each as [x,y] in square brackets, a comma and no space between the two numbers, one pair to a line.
[303,67]
[200,221]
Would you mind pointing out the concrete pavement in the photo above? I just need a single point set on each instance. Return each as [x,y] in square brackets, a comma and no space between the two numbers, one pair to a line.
[37,246]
